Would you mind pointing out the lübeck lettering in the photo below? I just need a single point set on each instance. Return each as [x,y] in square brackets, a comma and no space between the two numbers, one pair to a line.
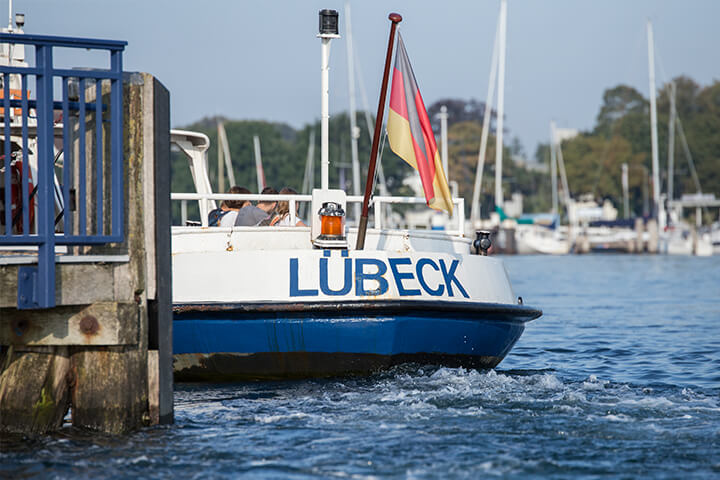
[369,277]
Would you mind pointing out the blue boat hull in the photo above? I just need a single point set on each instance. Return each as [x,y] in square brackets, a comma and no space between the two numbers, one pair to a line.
[272,341]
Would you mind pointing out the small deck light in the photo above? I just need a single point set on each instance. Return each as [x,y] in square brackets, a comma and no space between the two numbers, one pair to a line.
[332,219]
[328,22]
[20,20]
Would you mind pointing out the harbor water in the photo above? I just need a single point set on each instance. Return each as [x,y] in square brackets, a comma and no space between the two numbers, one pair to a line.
[619,379]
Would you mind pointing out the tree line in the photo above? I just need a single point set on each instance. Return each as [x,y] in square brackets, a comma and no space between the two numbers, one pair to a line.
[593,158]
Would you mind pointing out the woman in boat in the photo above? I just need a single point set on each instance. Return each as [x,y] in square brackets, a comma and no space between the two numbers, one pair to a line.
[282,212]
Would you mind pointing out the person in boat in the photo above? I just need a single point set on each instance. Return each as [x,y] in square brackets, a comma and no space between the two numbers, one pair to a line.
[251,215]
[225,215]
[282,212]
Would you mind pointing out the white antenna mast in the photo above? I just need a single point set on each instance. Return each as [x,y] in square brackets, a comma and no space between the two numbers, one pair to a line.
[328,31]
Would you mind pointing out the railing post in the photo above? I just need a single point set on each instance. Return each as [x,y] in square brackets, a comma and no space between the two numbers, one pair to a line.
[116,145]
[43,286]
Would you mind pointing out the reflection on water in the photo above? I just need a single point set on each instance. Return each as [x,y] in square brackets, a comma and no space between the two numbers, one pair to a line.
[619,378]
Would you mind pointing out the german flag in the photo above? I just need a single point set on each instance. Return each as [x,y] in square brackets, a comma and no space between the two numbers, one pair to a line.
[410,134]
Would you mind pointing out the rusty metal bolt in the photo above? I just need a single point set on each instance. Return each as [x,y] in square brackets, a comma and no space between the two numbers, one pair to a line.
[89,325]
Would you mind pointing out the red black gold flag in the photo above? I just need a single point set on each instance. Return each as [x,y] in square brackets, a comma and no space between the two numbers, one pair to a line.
[410,134]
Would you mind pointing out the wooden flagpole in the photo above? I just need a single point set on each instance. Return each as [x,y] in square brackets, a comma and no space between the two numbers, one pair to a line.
[395,18]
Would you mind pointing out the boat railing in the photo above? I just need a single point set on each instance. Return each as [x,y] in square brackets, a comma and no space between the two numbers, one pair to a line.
[377,202]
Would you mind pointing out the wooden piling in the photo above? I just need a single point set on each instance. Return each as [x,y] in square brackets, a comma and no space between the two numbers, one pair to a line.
[105,349]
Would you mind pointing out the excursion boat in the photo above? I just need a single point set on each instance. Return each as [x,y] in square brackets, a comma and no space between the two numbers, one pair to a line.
[278,302]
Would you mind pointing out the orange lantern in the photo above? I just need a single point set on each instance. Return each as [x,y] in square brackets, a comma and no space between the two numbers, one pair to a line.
[332,219]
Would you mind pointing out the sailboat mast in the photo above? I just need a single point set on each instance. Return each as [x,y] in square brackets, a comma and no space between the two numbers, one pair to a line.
[553,168]
[501,106]
[354,130]
[671,144]
[475,207]
[444,141]
[258,164]
[653,122]
[221,165]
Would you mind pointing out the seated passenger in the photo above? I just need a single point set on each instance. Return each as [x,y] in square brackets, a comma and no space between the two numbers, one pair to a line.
[225,215]
[282,213]
[251,215]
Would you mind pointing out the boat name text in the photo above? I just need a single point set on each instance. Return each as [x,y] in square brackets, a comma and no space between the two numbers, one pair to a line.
[434,278]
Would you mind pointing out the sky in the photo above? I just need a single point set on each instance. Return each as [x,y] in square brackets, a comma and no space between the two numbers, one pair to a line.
[260,60]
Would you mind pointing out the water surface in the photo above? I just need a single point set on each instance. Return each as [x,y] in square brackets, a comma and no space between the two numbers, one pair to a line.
[619,379]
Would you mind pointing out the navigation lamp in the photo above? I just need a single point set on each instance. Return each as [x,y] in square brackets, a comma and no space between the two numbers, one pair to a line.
[327,220]
[328,22]
[20,20]
[332,219]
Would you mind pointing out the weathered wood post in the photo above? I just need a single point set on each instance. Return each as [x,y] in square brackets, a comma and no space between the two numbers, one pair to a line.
[105,350]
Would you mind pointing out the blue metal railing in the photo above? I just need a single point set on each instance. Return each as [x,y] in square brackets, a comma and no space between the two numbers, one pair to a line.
[59,206]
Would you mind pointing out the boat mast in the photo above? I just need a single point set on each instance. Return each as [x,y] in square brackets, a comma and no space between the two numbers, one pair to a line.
[553,167]
[328,31]
[671,143]
[444,140]
[258,164]
[220,174]
[225,148]
[475,207]
[501,107]
[354,130]
[626,200]
[653,124]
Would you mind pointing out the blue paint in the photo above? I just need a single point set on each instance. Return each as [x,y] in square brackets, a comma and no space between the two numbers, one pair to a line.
[361,276]
[295,291]
[212,332]
[421,278]
[326,253]
[449,276]
[400,276]
[347,278]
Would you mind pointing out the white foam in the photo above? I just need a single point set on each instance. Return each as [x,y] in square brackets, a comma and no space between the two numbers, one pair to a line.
[279,418]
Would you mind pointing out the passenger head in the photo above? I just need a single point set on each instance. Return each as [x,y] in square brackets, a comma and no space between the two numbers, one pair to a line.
[283,206]
[267,205]
[236,204]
